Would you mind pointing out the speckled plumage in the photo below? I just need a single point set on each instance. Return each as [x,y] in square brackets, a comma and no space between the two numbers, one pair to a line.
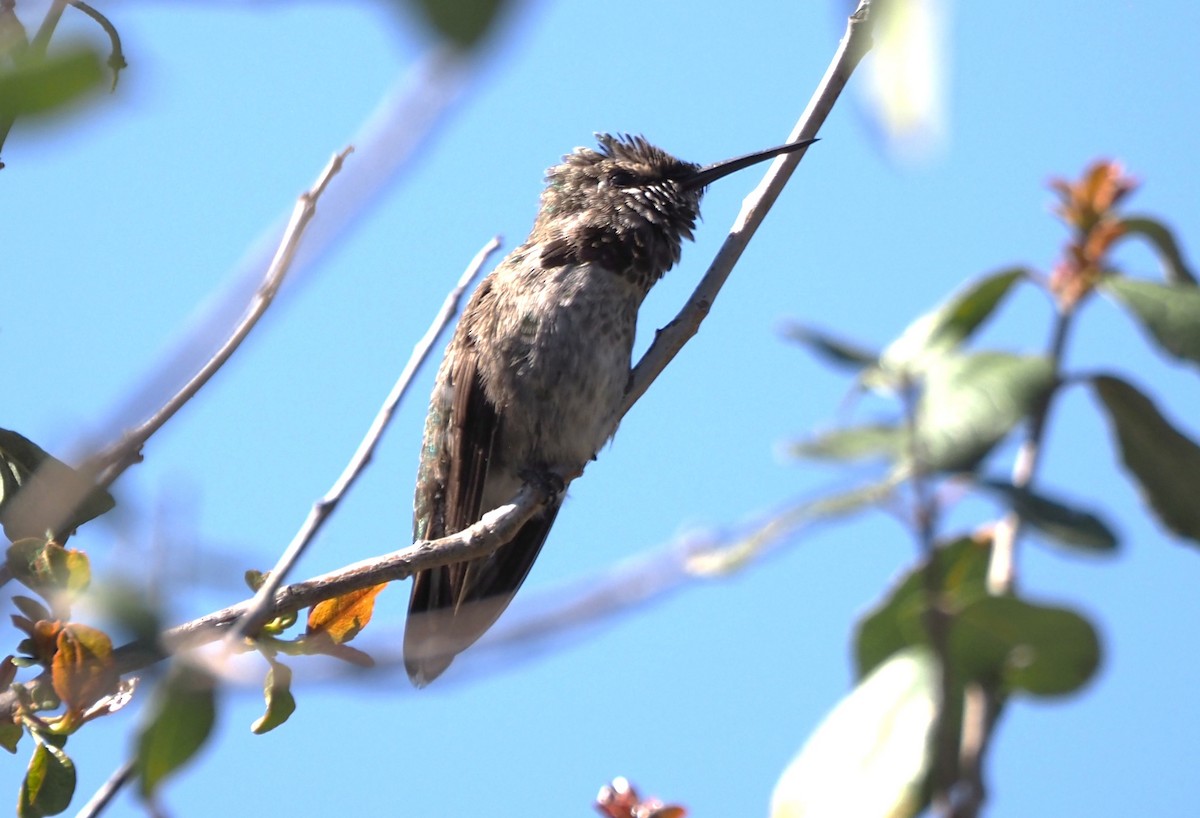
[533,379]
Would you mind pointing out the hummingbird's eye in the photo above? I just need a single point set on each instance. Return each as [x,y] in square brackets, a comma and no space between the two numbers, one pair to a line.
[622,178]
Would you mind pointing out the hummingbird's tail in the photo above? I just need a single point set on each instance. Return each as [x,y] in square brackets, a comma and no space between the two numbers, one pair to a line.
[453,605]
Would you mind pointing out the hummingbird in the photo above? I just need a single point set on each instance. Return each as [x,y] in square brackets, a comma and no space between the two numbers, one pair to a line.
[532,381]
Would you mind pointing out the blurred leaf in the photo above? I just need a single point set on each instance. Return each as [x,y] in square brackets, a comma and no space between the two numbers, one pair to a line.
[38,492]
[342,617]
[1164,461]
[853,443]
[462,22]
[1041,650]
[179,720]
[870,756]
[1056,520]
[971,402]
[277,690]
[899,620]
[48,568]
[834,350]
[49,783]
[1175,268]
[40,86]
[83,671]
[10,735]
[619,799]
[33,610]
[950,324]
[1170,313]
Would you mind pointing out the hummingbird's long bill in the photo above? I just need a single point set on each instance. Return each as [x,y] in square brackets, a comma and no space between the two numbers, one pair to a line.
[711,173]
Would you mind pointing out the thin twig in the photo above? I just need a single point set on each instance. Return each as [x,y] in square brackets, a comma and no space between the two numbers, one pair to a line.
[116,58]
[1002,565]
[323,508]
[110,464]
[108,790]
[670,339]
[936,619]
[981,705]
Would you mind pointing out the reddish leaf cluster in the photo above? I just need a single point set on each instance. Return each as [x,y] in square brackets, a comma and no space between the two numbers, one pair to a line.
[1089,208]
[620,800]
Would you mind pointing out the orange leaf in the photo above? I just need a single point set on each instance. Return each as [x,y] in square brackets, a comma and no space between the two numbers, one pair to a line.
[342,617]
[83,671]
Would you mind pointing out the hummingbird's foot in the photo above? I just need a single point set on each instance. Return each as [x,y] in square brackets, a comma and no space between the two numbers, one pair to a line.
[550,482]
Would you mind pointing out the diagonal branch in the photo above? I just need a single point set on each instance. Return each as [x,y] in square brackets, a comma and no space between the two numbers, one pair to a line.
[855,44]
[111,463]
[257,615]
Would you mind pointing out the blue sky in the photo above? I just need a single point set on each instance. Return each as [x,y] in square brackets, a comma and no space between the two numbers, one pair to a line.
[120,226]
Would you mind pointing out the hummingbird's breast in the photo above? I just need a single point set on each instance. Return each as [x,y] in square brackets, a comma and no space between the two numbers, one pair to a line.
[563,341]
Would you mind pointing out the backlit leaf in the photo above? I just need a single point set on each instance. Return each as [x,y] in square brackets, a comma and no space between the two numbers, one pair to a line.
[342,617]
[946,327]
[1169,313]
[277,690]
[870,756]
[971,402]
[83,670]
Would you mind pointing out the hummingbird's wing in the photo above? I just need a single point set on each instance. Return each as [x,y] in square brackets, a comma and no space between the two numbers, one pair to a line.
[452,606]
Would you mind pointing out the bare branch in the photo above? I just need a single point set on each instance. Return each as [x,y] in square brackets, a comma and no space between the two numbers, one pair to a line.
[496,528]
[982,704]
[257,615]
[670,339]
[109,464]
[108,790]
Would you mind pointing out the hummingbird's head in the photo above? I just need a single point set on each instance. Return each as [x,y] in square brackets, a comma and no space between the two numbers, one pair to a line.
[627,206]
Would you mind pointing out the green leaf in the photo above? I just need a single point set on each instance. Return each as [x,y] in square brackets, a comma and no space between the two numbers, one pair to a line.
[40,493]
[1164,462]
[10,733]
[950,324]
[277,690]
[971,402]
[462,22]
[1175,268]
[1055,519]
[1169,313]
[854,443]
[180,718]
[41,86]
[871,754]
[49,783]
[899,620]
[834,350]
[1042,650]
